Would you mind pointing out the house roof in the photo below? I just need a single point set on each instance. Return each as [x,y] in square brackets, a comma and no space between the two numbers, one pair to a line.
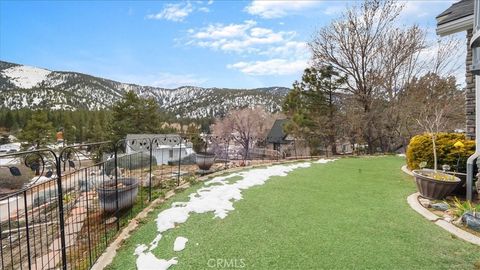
[458,10]
[277,134]
[458,17]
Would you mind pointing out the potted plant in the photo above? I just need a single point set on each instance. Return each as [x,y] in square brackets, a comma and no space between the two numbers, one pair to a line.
[204,159]
[433,184]
[127,189]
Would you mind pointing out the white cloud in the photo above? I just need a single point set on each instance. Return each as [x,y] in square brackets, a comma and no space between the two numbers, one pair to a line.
[277,9]
[240,38]
[270,52]
[204,9]
[424,9]
[334,10]
[290,49]
[173,12]
[210,2]
[270,67]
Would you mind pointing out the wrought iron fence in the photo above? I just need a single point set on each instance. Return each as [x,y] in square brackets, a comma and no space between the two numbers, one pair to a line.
[75,199]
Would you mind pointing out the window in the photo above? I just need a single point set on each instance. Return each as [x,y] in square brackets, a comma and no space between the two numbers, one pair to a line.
[170,153]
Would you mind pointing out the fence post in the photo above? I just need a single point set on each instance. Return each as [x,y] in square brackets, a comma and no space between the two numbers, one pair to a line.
[150,172]
[88,219]
[179,161]
[117,214]
[61,216]
[26,227]
[295,148]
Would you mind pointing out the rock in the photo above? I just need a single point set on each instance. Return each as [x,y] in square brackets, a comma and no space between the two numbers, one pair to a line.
[440,206]
[458,221]
[425,202]
[472,220]
[447,218]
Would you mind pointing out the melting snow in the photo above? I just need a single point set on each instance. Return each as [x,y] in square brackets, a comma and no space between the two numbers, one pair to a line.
[216,198]
[323,161]
[179,244]
[26,76]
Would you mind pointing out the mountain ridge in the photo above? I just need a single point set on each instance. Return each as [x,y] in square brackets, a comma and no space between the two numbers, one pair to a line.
[24,86]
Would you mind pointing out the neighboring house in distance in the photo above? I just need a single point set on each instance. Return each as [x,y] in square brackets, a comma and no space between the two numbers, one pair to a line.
[286,144]
[279,140]
[459,18]
[165,147]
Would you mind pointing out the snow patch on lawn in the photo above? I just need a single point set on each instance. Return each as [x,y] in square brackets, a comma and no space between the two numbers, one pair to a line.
[323,160]
[216,198]
[155,241]
[179,244]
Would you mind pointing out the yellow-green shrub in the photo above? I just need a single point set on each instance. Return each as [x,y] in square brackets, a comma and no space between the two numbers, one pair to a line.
[420,149]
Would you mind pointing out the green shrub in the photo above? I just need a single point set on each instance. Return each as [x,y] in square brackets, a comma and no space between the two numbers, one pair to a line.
[420,149]
[131,162]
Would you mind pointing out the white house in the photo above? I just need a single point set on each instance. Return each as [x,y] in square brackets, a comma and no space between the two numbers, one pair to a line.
[165,147]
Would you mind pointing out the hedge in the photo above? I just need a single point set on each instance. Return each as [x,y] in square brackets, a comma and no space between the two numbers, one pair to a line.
[420,149]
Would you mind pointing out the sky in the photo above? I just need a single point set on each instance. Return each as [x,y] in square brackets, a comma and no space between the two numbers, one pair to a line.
[233,44]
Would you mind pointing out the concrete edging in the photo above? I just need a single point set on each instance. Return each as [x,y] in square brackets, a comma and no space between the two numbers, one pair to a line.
[110,252]
[449,227]
[406,170]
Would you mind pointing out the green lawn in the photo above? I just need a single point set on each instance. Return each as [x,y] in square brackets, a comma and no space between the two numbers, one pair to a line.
[349,214]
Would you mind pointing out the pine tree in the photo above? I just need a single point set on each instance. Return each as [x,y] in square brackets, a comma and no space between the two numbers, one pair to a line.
[312,107]
[134,115]
[9,120]
[38,131]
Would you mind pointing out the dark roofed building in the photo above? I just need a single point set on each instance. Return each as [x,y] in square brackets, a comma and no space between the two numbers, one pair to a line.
[277,135]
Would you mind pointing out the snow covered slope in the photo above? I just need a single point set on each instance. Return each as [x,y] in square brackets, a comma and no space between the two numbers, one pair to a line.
[24,86]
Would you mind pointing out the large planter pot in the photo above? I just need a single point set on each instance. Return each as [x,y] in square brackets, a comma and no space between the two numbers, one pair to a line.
[432,188]
[205,160]
[127,194]
[461,188]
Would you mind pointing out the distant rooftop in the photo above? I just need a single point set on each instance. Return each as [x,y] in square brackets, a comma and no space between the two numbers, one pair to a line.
[276,134]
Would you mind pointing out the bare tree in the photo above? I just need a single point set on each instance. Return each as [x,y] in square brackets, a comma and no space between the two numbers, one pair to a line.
[245,126]
[435,104]
[367,46]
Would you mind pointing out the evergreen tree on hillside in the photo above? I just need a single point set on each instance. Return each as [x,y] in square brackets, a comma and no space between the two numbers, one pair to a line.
[96,132]
[134,115]
[38,131]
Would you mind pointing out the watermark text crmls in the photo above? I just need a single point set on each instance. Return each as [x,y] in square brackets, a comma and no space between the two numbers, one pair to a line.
[226,263]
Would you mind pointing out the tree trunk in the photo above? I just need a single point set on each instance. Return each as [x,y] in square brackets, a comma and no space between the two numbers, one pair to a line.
[333,144]
[434,152]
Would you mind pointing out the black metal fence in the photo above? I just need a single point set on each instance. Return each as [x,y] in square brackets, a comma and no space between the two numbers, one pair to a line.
[75,199]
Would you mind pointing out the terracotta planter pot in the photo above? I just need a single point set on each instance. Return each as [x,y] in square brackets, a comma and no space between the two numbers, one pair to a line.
[127,194]
[434,189]
[205,160]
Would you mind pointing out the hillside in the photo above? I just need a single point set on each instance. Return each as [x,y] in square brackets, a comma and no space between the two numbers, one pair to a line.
[25,86]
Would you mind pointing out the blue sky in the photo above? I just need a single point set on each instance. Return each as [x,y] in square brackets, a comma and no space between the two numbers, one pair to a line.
[235,44]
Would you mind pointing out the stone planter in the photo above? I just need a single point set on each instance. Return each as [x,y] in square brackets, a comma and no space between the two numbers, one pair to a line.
[205,160]
[127,194]
[431,188]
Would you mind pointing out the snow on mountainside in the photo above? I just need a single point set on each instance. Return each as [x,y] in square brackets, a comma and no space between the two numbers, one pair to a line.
[25,76]
[24,86]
